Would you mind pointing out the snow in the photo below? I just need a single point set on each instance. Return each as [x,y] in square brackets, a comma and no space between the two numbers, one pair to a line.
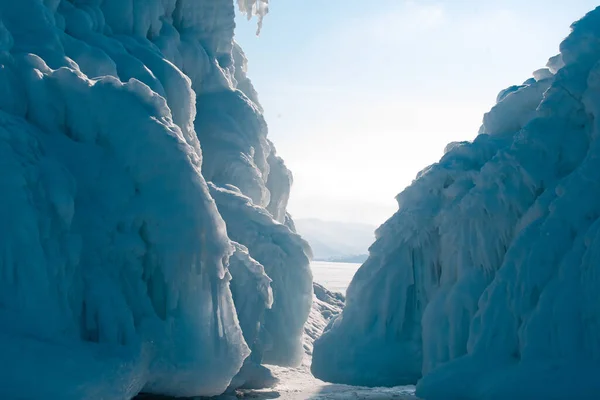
[115,262]
[296,383]
[484,285]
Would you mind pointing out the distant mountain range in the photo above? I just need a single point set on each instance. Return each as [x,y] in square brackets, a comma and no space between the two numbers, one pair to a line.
[337,241]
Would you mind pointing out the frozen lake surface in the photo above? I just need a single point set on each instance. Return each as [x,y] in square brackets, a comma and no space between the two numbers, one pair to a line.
[334,276]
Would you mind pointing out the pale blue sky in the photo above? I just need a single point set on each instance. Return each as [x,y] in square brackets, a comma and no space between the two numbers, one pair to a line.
[360,96]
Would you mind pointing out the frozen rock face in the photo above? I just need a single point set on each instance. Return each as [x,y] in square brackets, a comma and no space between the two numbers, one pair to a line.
[485,281]
[114,259]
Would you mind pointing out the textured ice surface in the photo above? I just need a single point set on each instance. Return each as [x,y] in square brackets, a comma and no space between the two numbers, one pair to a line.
[114,260]
[285,259]
[485,281]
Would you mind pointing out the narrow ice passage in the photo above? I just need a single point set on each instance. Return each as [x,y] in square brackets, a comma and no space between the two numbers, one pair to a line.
[146,244]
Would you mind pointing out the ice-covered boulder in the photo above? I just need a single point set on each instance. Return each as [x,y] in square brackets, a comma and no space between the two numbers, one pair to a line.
[485,280]
[114,260]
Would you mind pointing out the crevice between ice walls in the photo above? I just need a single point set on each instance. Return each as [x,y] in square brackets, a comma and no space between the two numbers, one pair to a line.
[482,281]
[114,257]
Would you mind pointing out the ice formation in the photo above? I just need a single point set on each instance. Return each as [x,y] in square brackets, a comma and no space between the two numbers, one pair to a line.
[484,285]
[255,7]
[285,259]
[326,306]
[115,262]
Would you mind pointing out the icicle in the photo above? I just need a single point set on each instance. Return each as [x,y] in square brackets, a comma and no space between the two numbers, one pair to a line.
[260,8]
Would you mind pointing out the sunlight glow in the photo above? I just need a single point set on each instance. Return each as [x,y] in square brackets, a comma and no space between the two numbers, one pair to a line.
[371,95]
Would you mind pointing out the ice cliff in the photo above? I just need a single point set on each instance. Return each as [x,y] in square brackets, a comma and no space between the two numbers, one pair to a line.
[119,122]
[484,285]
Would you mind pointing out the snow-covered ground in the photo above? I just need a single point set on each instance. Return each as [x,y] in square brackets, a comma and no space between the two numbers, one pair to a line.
[298,383]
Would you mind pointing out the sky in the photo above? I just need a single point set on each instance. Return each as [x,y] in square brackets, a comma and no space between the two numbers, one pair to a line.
[360,96]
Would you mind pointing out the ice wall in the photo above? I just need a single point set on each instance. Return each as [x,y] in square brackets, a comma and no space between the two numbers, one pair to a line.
[485,281]
[285,259]
[114,259]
